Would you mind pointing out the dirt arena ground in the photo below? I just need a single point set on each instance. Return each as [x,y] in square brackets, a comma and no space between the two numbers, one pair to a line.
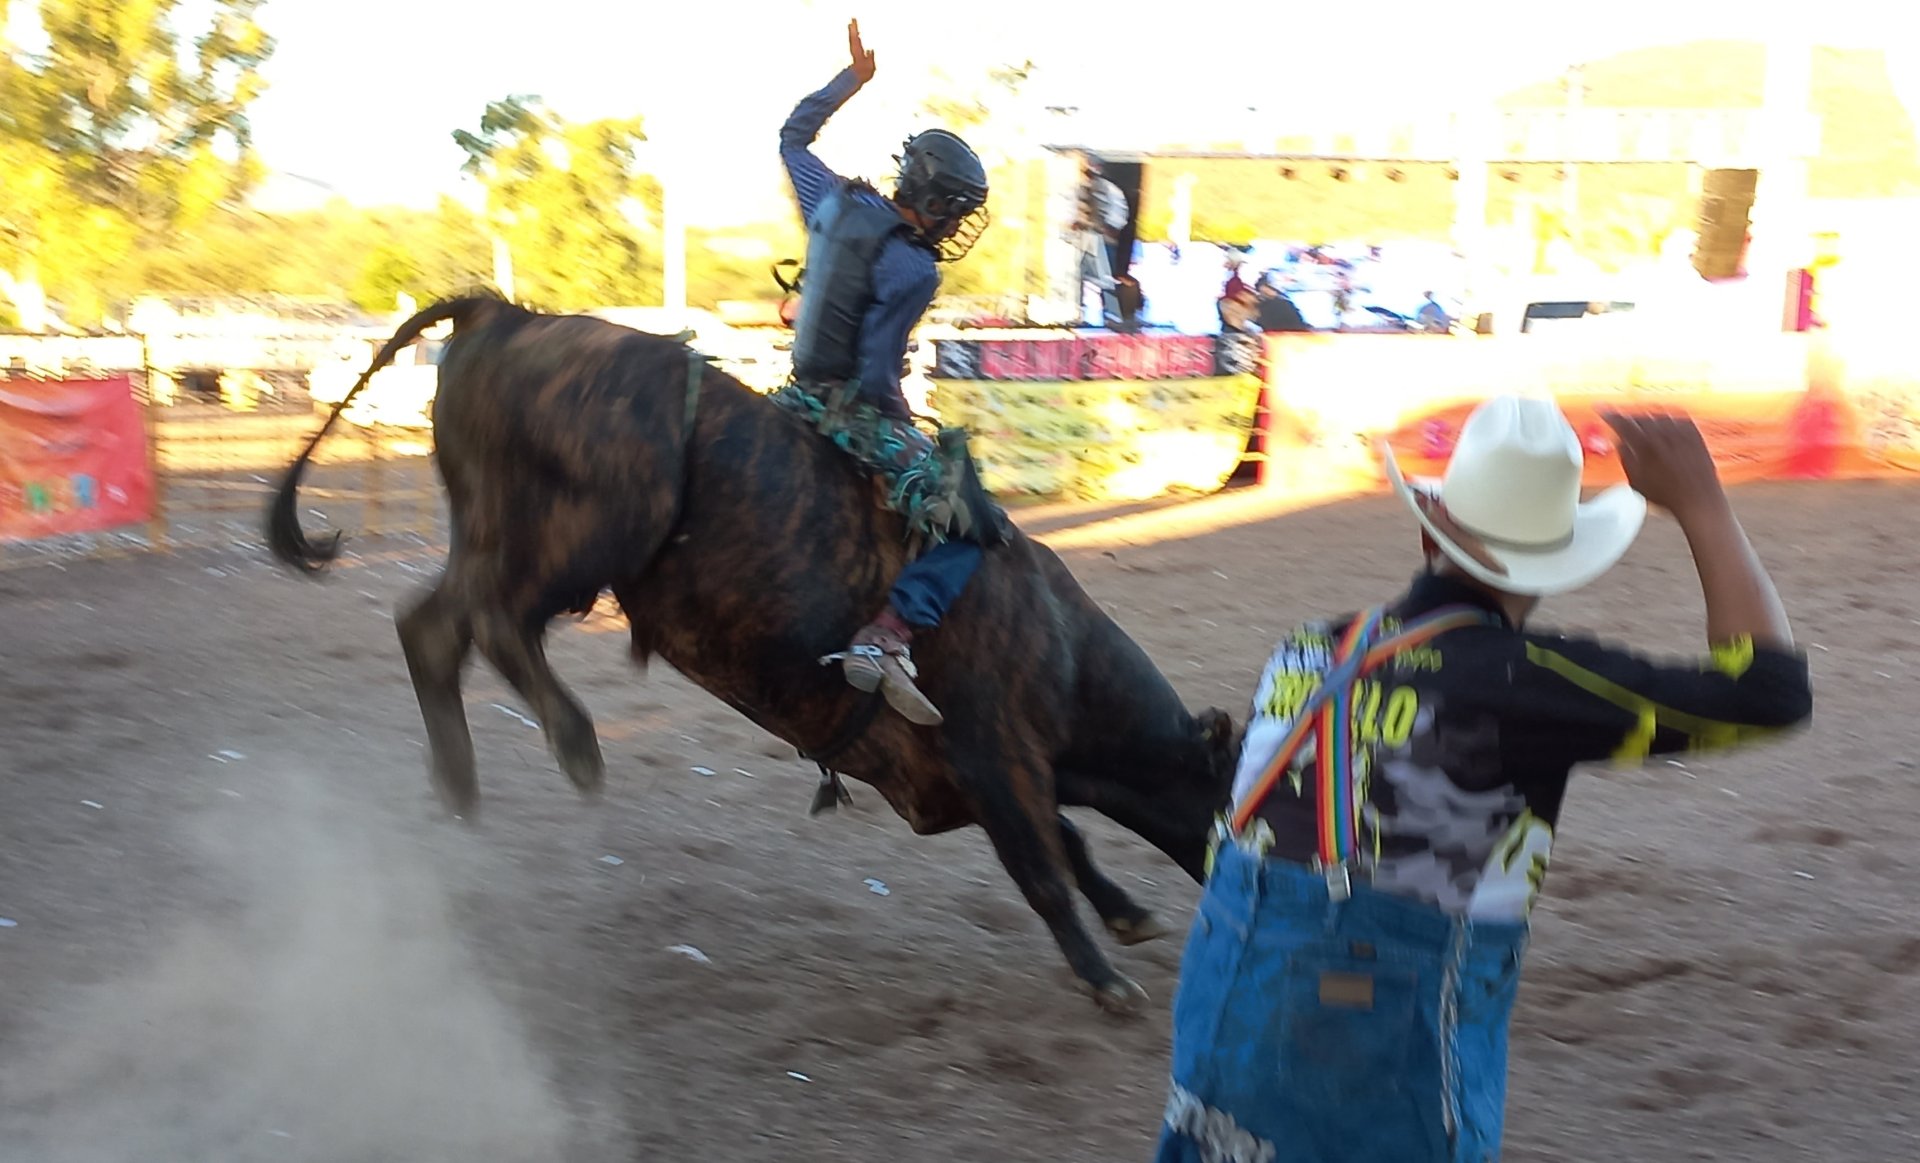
[241,932]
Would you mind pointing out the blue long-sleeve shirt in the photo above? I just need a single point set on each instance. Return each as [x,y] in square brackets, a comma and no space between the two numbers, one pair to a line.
[904,275]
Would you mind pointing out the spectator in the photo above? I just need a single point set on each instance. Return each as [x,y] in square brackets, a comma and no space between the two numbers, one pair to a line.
[1237,303]
[1098,234]
[1110,213]
[1132,304]
[1277,312]
[1432,316]
[1343,304]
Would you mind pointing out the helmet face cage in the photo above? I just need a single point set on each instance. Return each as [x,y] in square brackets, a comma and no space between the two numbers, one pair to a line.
[949,198]
[964,232]
[955,222]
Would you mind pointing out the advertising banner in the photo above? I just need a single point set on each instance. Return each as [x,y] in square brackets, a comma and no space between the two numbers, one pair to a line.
[1771,407]
[73,458]
[1058,356]
[1106,440]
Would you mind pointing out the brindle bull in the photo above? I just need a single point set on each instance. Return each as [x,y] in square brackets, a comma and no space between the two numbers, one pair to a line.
[743,547]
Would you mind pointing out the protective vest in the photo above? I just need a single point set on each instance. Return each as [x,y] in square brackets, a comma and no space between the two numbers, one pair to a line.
[844,238]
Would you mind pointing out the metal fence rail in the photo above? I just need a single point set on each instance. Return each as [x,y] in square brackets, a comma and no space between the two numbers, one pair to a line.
[216,461]
[215,474]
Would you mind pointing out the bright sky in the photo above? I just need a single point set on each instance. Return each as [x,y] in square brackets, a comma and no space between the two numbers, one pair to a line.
[364,93]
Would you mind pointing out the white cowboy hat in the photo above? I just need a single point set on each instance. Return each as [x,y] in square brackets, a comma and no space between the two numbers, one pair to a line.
[1514,482]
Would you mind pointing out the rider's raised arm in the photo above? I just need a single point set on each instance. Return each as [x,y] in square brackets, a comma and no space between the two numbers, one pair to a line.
[811,177]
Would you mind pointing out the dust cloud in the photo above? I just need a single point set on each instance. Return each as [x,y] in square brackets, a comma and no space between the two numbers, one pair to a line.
[330,1013]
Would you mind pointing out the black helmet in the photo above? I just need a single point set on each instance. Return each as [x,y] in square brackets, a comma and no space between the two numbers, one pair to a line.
[942,180]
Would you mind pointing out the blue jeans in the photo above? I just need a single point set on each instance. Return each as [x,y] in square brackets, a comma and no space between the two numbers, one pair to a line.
[1308,1030]
[928,587]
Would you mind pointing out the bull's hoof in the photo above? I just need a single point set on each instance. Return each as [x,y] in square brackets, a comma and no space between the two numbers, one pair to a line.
[1121,998]
[459,795]
[586,771]
[1137,930]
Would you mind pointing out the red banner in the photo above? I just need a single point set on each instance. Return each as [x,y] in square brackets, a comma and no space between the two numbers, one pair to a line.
[1753,436]
[1789,406]
[1065,359]
[73,458]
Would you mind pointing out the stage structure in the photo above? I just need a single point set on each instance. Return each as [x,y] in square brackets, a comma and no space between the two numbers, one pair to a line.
[1738,155]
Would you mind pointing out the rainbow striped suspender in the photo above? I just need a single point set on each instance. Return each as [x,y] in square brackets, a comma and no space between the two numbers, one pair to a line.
[1328,715]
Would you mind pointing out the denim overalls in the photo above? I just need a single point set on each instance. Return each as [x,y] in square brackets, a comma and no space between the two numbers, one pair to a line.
[1319,1020]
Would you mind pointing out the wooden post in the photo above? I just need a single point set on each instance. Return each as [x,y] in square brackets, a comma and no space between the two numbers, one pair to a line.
[157,531]
[1473,129]
[1780,199]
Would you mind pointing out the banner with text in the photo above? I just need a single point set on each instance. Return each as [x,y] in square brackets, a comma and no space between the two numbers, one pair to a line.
[73,458]
[1065,356]
[1107,440]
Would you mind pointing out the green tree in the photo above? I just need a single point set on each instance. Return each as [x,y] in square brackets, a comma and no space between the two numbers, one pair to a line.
[987,113]
[425,256]
[339,252]
[118,134]
[971,109]
[578,215]
[736,262]
[390,271]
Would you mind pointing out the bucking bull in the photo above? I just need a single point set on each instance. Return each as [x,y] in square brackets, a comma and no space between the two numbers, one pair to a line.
[581,456]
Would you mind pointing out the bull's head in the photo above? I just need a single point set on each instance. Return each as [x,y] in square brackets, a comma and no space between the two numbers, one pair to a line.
[1190,814]
[1222,743]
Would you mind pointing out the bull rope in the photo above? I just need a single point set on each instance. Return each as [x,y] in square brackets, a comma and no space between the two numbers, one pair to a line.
[697,362]
[831,792]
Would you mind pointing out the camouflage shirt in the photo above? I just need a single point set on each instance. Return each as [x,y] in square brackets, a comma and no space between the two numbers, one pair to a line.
[1464,744]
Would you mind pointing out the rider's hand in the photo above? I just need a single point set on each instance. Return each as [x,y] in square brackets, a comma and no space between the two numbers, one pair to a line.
[862,55]
[1667,462]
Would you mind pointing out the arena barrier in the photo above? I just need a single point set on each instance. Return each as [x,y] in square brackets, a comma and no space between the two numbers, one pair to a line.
[1099,416]
[1811,406]
[74,457]
[90,465]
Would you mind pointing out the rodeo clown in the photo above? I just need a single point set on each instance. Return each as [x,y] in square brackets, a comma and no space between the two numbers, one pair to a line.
[870,274]
[1346,987]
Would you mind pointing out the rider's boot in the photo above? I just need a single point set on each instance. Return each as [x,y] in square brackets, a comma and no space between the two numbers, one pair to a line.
[879,659]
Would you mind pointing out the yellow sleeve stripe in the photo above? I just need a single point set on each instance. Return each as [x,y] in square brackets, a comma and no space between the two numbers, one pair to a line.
[1639,741]
[1650,716]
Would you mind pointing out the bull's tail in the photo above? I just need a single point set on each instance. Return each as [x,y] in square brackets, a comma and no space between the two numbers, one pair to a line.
[284,535]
